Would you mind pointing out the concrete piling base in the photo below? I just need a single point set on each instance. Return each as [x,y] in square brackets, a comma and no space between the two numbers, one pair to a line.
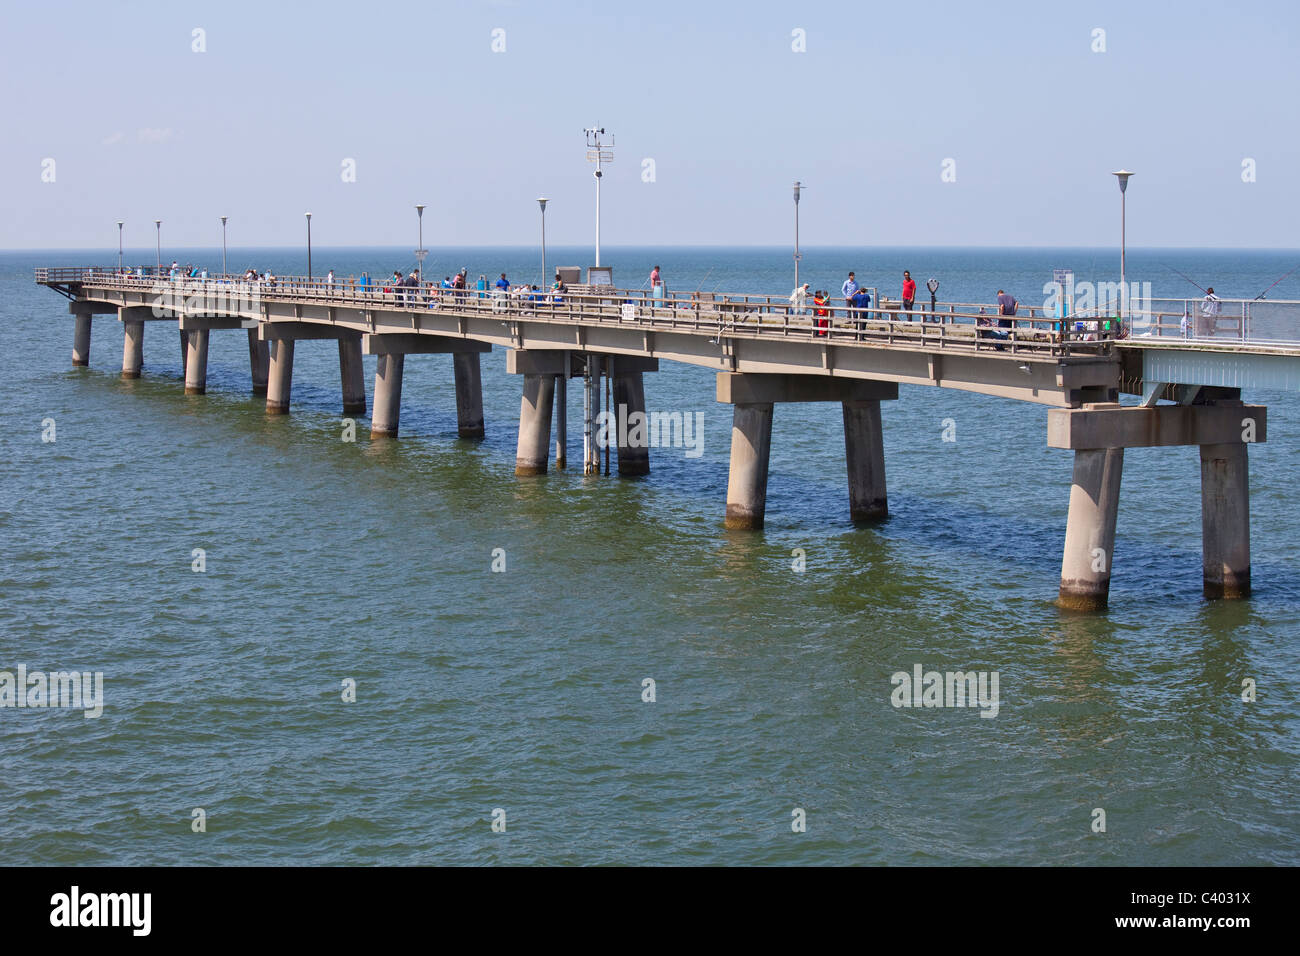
[751,446]
[387,412]
[132,349]
[469,395]
[352,375]
[259,360]
[864,449]
[629,399]
[535,424]
[279,380]
[196,361]
[81,341]
[1225,521]
[1090,529]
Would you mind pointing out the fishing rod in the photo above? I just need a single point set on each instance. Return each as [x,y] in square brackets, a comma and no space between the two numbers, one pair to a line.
[1176,272]
[1269,289]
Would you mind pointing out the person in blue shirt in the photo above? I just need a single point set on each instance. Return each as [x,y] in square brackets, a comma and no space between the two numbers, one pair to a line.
[503,283]
[848,291]
[860,300]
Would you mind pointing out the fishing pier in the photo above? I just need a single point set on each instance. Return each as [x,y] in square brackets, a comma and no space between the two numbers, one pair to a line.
[765,352]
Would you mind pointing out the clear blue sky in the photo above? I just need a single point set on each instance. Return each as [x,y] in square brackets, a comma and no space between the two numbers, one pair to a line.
[141,127]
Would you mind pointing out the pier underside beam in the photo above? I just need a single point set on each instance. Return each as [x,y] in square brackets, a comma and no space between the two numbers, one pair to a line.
[535,425]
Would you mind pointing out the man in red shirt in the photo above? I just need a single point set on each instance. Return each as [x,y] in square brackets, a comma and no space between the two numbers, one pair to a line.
[909,293]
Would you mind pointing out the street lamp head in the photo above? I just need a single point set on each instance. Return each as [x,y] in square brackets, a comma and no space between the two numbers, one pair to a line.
[797,186]
[419,209]
[157,222]
[119,224]
[223,219]
[307,214]
[541,202]
[1123,175]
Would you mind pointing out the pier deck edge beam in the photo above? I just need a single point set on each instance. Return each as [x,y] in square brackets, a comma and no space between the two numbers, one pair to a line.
[755,395]
[1098,435]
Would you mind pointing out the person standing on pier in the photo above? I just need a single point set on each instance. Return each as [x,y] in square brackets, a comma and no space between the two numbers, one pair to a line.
[799,299]
[909,294]
[849,290]
[861,299]
[1209,312]
[503,283]
[329,280]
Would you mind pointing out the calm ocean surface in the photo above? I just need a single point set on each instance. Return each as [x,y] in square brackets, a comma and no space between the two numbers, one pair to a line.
[522,690]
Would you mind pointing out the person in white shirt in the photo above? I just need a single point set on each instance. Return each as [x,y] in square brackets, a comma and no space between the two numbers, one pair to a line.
[799,300]
[329,277]
[1209,312]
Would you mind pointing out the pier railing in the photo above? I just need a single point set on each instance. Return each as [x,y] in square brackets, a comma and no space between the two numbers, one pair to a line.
[962,326]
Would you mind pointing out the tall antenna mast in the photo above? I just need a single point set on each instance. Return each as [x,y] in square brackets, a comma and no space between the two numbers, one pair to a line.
[598,153]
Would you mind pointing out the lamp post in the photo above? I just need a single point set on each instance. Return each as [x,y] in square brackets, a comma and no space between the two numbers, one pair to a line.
[308,246]
[598,153]
[223,244]
[798,186]
[119,247]
[541,203]
[1123,176]
[158,223]
[420,251]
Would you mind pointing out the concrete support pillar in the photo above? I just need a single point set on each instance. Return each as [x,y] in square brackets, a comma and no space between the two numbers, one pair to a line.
[1090,528]
[1225,521]
[864,449]
[132,349]
[185,350]
[259,361]
[469,395]
[279,379]
[751,446]
[629,398]
[196,362]
[352,375]
[535,425]
[388,395]
[81,340]
[562,417]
